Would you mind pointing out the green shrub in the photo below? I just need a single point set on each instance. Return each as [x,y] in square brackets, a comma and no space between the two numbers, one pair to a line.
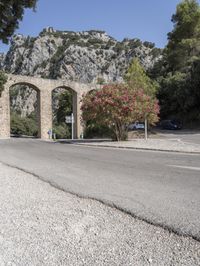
[135,43]
[62,131]
[149,44]
[156,52]
[119,47]
[93,130]
[3,80]
[43,64]
[23,125]
[100,80]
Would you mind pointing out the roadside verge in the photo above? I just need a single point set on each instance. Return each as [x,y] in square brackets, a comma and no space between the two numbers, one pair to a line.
[172,145]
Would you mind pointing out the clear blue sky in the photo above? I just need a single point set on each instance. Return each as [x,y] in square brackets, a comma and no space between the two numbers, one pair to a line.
[148,20]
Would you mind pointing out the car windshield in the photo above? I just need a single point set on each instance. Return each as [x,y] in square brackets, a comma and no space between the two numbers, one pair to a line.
[175,122]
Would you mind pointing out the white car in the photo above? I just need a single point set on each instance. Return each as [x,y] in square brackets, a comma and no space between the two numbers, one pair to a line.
[136,125]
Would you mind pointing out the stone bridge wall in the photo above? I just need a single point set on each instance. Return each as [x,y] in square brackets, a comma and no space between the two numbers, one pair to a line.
[44,88]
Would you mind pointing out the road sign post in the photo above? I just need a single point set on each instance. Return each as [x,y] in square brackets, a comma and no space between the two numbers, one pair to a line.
[146,128]
[72,126]
[70,120]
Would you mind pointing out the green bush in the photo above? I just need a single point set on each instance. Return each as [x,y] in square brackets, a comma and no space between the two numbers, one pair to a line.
[134,43]
[23,125]
[3,80]
[100,80]
[93,130]
[149,44]
[62,131]
[119,47]
[156,52]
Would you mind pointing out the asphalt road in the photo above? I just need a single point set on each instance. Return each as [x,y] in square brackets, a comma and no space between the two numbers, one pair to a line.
[161,188]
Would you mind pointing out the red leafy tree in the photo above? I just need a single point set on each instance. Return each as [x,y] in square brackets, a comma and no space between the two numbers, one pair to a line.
[116,106]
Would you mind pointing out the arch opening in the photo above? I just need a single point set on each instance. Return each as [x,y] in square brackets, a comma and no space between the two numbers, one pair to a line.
[24,110]
[62,106]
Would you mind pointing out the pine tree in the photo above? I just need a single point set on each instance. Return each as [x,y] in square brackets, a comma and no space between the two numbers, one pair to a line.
[137,79]
[11,12]
[178,71]
[184,41]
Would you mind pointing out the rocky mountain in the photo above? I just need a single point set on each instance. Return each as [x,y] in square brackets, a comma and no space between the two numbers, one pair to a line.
[88,56]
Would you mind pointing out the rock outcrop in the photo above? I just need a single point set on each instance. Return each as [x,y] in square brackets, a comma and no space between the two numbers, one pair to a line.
[89,56]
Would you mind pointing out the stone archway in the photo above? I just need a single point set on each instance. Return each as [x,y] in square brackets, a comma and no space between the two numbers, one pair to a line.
[44,88]
[23,110]
[75,108]
[5,106]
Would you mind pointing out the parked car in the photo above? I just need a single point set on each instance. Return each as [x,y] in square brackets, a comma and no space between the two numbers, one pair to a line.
[136,125]
[171,124]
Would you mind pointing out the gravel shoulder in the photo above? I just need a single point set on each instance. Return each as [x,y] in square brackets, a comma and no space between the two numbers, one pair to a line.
[41,225]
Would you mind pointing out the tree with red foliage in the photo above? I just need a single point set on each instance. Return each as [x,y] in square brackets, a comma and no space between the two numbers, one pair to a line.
[116,106]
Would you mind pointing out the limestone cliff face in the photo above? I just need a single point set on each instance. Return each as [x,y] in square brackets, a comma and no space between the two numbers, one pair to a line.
[90,56]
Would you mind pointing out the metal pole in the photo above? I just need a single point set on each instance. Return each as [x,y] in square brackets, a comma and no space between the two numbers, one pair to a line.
[72,126]
[146,133]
